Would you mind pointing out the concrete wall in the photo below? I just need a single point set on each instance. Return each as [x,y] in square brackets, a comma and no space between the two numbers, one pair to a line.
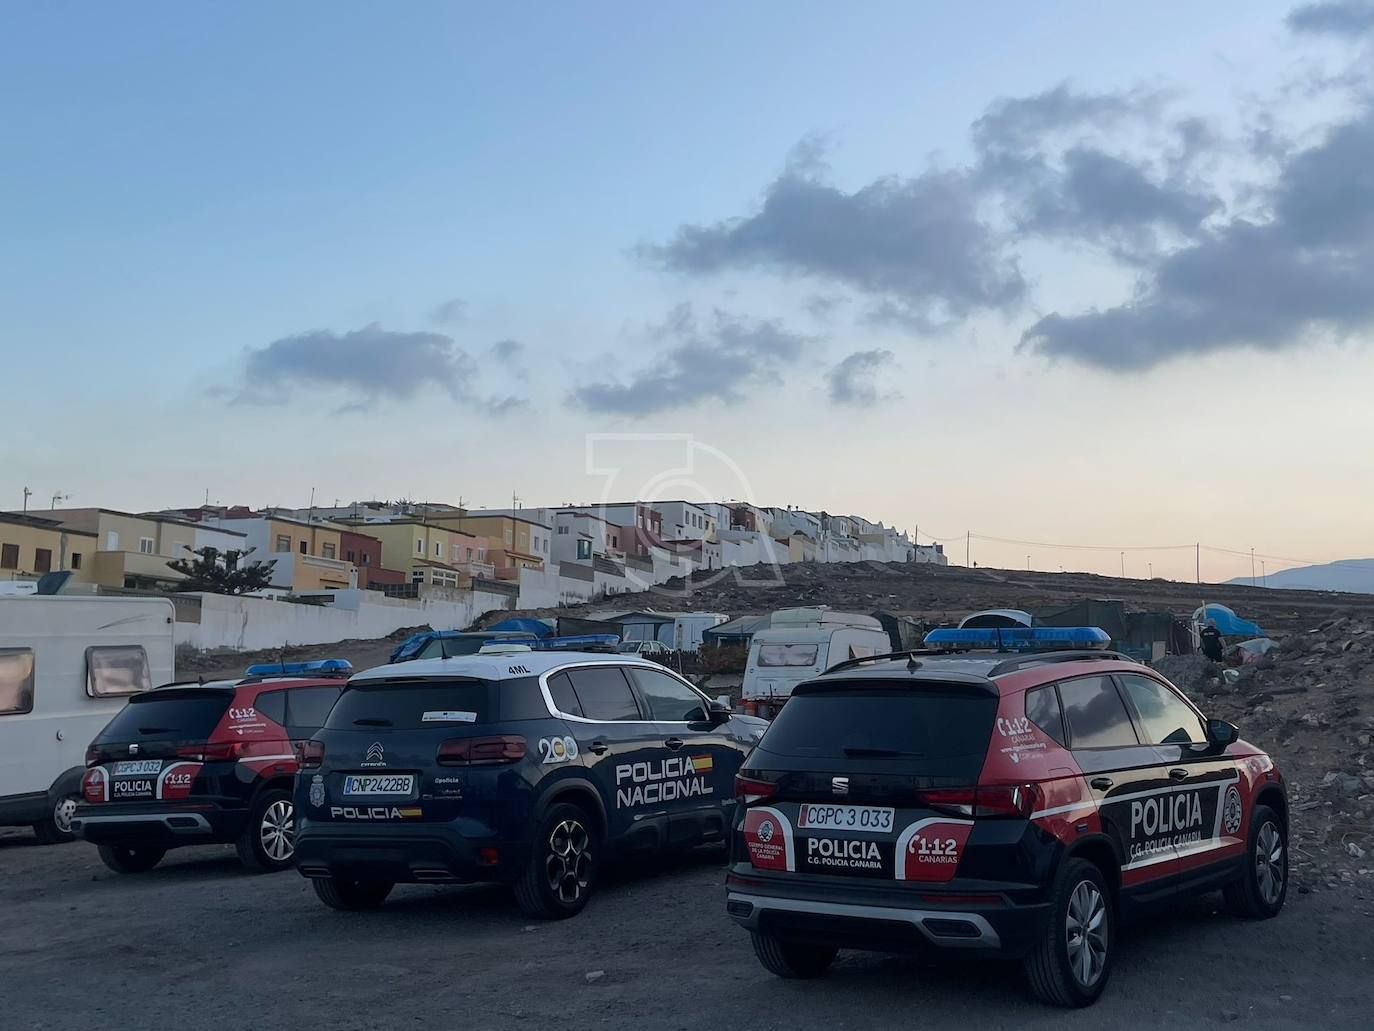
[249,624]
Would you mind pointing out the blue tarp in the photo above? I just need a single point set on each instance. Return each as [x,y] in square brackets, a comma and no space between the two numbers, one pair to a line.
[524,625]
[1228,623]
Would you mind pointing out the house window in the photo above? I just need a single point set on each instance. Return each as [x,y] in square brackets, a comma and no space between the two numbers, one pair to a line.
[417,576]
[509,537]
[112,541]
[419,545]
[349,553]
[42,560]
[469,554]
[305,547]
[327,550]
[9,556]
[145,545]
[563,530]
[366,558]
[76,560]
[283,542]
[584,549]
[438,549]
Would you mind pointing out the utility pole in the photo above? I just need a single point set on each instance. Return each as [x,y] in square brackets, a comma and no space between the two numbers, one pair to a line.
[27,494]
[310,518]
[968,548]
[1198,552]
[1151,567]
[1252,567]
[1027,563]
[1264,574]
[1123,565]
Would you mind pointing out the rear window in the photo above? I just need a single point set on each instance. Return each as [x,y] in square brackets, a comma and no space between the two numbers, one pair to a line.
[431,704]
[172,715]
[883,724]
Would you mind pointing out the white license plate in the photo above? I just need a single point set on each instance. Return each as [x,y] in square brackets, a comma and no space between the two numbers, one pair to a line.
[379,784]
[136,767]
[861,819]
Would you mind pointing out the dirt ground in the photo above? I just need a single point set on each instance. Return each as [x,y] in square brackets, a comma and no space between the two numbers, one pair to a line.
[196,942]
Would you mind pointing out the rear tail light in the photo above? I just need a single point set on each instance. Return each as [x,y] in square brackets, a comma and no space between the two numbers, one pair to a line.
[214,751]
[309,754]
[1006,800]
[749,789]
[481,751]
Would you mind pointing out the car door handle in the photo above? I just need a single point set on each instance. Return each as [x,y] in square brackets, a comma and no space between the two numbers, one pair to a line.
[1178,773]
[1101,783]
[599,747]
[674,743]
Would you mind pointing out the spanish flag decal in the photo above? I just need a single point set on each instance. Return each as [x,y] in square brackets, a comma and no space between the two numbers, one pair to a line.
[410,812]
[701,764]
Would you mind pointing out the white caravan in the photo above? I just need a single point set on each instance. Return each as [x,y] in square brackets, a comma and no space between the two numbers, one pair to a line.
[67,665]
[799,644]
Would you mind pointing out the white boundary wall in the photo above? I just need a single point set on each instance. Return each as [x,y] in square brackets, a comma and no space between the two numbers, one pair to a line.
[250,624]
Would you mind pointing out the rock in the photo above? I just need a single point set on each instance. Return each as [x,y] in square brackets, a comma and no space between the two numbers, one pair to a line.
[1354,850]
[594,975]
[1345,785]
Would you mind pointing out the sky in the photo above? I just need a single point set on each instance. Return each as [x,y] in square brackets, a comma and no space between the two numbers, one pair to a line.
[1090,275]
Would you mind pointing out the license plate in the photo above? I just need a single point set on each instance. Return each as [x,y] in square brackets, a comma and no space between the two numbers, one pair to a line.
[137,767]
[860,819]
[379,784]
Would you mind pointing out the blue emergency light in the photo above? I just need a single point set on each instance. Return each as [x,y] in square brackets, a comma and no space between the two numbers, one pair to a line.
[1020,639]
[318,668]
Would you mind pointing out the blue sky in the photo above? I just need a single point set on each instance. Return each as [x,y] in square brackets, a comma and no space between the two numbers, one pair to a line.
[185,187]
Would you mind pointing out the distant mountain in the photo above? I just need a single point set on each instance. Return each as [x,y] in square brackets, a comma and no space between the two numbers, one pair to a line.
[1349,574]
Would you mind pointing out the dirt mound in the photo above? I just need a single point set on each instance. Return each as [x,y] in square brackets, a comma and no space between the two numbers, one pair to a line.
[1310,704]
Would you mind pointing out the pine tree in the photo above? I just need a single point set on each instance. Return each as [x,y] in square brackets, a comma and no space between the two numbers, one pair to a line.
[216,572]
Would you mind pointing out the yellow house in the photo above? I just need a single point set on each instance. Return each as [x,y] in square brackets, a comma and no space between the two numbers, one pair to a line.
[428,552]
[306,556]
[132,551]
[31,545]
[515,543]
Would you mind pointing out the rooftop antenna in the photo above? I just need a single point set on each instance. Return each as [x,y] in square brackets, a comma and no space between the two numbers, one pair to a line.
[27,494]
[59,497]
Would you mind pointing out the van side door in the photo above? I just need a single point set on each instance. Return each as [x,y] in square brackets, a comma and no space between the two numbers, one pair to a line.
[701,760]
[1127,777]
[621,747]
[1206,812]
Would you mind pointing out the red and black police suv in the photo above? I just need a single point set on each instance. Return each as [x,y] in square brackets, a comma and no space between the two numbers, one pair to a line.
[196,764]
[1013,804]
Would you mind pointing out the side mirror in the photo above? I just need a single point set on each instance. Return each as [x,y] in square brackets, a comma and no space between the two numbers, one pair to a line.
[717,713]
[1221,734]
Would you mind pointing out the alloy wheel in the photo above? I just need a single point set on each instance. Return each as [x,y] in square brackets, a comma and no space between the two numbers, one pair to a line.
[278,831]
[569,860]
[1270,865]
[1086,933]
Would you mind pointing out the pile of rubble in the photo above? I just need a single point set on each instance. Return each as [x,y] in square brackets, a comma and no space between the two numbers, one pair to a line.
[1310,703]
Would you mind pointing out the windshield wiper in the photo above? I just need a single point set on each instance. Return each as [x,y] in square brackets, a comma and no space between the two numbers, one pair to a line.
[856,751]
[371,722]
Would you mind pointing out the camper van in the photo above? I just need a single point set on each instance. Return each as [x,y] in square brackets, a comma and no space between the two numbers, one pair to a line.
[799,644]
[67,665]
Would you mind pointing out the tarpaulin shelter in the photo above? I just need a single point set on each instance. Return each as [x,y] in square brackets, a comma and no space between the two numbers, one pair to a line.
[524,625]
[1228,623]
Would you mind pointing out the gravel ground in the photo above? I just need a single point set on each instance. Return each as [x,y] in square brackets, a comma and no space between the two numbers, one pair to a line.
[198,943]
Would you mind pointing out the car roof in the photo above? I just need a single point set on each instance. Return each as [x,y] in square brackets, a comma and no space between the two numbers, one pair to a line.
[495,667]
[1007,671]
[233,685]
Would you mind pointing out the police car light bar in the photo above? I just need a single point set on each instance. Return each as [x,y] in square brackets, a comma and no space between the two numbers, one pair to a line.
[318,668]
[1020,639]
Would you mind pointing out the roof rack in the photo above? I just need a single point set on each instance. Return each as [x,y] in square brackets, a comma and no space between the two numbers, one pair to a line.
[1041,658]
[863,660]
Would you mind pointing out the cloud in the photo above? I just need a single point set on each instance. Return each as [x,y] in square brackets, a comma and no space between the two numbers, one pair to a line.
[1021,124]
[450,313]
[370,364]
[508,352]
[917,244]
[717,359]
[1336,17]
[1271,285]
[853,380]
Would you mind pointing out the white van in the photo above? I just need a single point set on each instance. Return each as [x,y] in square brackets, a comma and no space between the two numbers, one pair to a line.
[799,644]
[67,665]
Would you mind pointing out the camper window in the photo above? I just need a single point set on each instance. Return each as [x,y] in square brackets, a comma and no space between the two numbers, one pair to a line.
[788,654]
[16,681]
[113,670]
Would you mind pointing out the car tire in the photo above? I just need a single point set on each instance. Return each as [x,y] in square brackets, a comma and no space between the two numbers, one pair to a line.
[268,842]
[126,859]
[560,873]
[1263,888]
[793,960]
[1072,962]
[56,827]
[351,896]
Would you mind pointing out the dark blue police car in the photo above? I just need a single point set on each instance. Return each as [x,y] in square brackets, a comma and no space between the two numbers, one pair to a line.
[528,768]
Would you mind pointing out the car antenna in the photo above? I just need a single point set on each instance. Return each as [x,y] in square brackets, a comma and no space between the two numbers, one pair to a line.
[443,645]
[912,665]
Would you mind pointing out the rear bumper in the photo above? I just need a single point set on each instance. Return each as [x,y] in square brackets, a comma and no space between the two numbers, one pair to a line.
[434,853]
[160,825]
[890,925]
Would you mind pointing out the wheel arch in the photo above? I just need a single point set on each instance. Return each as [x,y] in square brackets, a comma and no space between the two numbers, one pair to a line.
[1099,850]
[1273,797]
[67,783]
[579,792]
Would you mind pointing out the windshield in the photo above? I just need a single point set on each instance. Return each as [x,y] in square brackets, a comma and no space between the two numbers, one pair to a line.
[788,654]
